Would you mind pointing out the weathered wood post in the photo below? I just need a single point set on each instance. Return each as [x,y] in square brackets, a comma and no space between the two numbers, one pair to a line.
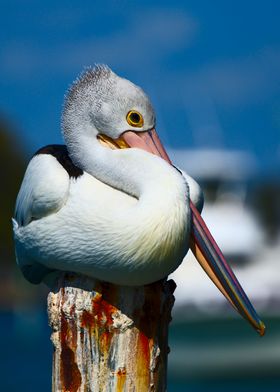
[109,338]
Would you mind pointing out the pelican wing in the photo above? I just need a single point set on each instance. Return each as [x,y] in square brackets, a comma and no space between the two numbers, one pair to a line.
[196,194]
[45,185]
[44,190]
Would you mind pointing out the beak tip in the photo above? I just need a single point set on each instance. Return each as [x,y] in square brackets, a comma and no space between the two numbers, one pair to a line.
[261,329]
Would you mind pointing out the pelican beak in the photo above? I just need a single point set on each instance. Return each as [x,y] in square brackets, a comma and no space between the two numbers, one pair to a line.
[212,260]
[147,140]
[202,243]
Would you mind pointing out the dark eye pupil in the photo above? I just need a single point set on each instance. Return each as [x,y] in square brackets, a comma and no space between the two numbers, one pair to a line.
[135,118]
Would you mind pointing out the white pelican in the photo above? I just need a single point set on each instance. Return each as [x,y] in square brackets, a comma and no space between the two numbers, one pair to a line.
[109,204]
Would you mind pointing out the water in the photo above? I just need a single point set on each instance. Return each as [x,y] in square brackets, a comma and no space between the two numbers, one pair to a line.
[27,354]
[26,363]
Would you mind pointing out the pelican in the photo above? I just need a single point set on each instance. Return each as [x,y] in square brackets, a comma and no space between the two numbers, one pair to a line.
[109,204]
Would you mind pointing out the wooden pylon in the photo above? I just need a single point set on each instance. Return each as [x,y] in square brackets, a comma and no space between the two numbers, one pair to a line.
[109,338]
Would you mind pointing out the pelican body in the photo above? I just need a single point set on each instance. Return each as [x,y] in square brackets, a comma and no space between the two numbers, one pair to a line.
[109,204]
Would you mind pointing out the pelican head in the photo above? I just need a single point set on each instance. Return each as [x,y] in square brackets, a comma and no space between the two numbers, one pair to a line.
[101,102]
[103,109]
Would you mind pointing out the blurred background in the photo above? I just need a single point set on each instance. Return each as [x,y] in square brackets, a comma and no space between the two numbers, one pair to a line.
[211,70]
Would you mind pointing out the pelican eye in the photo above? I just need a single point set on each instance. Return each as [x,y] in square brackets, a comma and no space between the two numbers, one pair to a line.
[135,118]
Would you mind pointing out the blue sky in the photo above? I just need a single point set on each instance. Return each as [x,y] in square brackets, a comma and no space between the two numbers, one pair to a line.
[211,68]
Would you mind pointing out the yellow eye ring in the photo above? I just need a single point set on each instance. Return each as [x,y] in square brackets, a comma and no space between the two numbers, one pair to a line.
[135,119]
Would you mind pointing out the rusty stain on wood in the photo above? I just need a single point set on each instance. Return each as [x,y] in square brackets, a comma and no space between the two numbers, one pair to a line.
[121,377]
[109,338]
[143,363]
[70,373]
[69,370]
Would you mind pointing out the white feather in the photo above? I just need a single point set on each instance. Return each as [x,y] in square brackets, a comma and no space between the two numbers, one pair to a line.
[43,191]
[196,194]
